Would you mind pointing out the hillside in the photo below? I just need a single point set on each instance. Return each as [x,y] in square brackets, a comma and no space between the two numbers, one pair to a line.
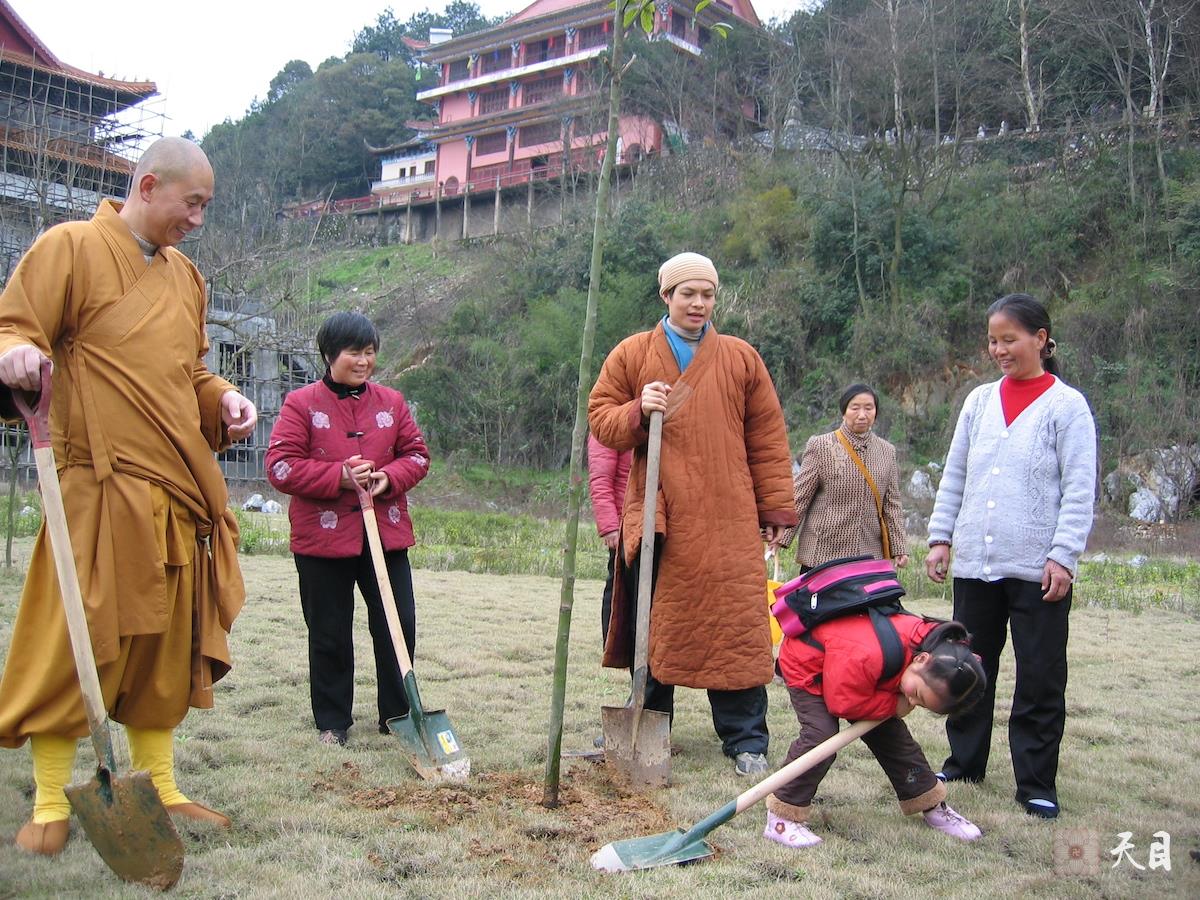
[860,234]
[484,337]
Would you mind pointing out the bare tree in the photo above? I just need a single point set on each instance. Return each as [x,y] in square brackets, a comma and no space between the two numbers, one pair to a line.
[1033,88]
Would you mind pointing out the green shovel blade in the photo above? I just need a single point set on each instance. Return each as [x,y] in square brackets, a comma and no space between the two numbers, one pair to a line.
[431,745]
[647,852]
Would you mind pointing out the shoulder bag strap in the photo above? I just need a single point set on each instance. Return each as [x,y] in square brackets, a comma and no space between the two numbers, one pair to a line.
[883,531]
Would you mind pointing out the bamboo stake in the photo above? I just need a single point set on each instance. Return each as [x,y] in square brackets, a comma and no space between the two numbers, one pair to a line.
[579,434]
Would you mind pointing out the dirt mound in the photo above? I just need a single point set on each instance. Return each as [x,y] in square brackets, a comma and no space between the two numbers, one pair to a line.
[594,806]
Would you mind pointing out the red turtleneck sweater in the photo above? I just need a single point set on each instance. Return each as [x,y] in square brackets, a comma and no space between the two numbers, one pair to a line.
[1017,394]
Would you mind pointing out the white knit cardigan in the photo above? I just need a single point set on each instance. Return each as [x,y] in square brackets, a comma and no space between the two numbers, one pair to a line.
[1013,496]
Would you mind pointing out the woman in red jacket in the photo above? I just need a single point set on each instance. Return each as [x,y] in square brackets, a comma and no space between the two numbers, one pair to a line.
[841,679]
[340,428]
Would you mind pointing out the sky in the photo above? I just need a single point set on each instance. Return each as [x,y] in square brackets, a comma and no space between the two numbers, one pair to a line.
[211,60]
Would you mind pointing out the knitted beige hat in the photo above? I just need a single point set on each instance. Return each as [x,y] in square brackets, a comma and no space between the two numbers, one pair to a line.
[684,267]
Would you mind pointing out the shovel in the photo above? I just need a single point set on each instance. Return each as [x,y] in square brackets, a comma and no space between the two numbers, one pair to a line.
[637,741]
[674,847]
[426,735]
[122,815]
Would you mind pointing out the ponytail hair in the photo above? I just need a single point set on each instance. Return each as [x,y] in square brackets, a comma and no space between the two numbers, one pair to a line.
[953,670]
[1029,313]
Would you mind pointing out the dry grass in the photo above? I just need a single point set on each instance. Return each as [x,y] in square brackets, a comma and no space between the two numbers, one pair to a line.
[315,821]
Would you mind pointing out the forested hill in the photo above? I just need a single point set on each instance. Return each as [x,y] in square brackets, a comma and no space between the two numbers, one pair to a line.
[870,255]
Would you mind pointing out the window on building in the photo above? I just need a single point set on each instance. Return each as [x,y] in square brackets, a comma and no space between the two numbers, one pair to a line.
[549,48]
[292,372]
[460,70]
[495,142]
[678,25]
[592,36]
[542,133]
[429,166]
[233,362]
[495,60]
[493,101]
[541,89]
[703,35]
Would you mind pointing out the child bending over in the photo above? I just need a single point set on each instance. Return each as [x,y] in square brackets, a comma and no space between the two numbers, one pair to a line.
[841,679]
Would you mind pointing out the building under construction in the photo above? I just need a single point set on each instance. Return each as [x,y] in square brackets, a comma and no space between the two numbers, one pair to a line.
[68,138]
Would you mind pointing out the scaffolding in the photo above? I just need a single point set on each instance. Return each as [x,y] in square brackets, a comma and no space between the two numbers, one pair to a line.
[68,139]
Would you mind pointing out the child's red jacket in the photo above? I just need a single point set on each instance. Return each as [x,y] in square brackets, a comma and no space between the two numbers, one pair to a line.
[315,434]
[847,673]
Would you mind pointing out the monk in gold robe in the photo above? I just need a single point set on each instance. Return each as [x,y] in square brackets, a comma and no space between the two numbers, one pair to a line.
[724,489]
[135,419]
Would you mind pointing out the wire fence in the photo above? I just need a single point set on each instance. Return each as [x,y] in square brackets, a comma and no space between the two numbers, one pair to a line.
[243,462]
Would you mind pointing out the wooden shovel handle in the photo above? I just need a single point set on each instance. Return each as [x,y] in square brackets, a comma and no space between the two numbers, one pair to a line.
[641,645]
[803,763]
[379,563]
[37,416]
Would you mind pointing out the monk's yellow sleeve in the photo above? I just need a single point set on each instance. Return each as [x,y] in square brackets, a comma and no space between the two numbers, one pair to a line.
[34,303]
[209,386]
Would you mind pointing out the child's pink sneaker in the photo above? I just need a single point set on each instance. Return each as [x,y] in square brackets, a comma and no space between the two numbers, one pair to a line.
[789,833]
[947,821]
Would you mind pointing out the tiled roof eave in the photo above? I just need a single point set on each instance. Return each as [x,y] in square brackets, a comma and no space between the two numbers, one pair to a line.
[506,32]
[135,91]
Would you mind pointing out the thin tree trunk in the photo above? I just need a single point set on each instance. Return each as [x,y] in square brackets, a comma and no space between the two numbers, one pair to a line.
[902,156]
[579,434]
[1032,100]
[937,94]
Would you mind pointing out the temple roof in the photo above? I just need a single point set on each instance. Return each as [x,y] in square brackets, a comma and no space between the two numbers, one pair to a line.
[548,15]
[20,46]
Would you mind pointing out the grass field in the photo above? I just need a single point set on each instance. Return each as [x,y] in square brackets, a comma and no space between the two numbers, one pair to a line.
[313,821]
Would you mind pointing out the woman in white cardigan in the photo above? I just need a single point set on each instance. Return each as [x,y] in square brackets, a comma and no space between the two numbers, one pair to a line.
[1015,502]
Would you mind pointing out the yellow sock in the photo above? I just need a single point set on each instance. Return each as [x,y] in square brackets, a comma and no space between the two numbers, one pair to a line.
[153,750]
[53,759]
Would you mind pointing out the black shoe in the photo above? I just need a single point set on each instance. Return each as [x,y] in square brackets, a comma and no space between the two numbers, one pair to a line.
[1043,809]
[951,775]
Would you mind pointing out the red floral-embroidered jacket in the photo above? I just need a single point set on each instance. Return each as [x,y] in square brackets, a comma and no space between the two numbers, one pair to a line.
[315,434]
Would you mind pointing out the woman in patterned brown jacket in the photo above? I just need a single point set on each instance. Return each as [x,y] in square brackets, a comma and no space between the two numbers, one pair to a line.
[839,512]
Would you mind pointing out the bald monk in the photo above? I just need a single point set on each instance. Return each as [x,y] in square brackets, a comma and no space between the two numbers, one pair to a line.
[135,420]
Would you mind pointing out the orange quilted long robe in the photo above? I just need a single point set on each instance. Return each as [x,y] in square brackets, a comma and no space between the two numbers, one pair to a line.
[135,419]
[725,472]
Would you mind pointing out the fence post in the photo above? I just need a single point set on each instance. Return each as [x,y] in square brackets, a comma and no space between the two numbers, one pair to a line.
[496,212]
[437,213]
[466,193]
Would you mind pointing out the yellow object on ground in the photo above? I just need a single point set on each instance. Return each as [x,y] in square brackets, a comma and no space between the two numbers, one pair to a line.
[776,632]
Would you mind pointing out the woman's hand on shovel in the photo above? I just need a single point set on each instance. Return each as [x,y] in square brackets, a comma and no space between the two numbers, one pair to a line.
[356,469]
[378,483]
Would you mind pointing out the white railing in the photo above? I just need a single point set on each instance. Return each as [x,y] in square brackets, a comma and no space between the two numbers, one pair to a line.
[389,183]
[516,72]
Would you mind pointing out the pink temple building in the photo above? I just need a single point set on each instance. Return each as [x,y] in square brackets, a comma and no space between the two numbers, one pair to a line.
[512,101]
